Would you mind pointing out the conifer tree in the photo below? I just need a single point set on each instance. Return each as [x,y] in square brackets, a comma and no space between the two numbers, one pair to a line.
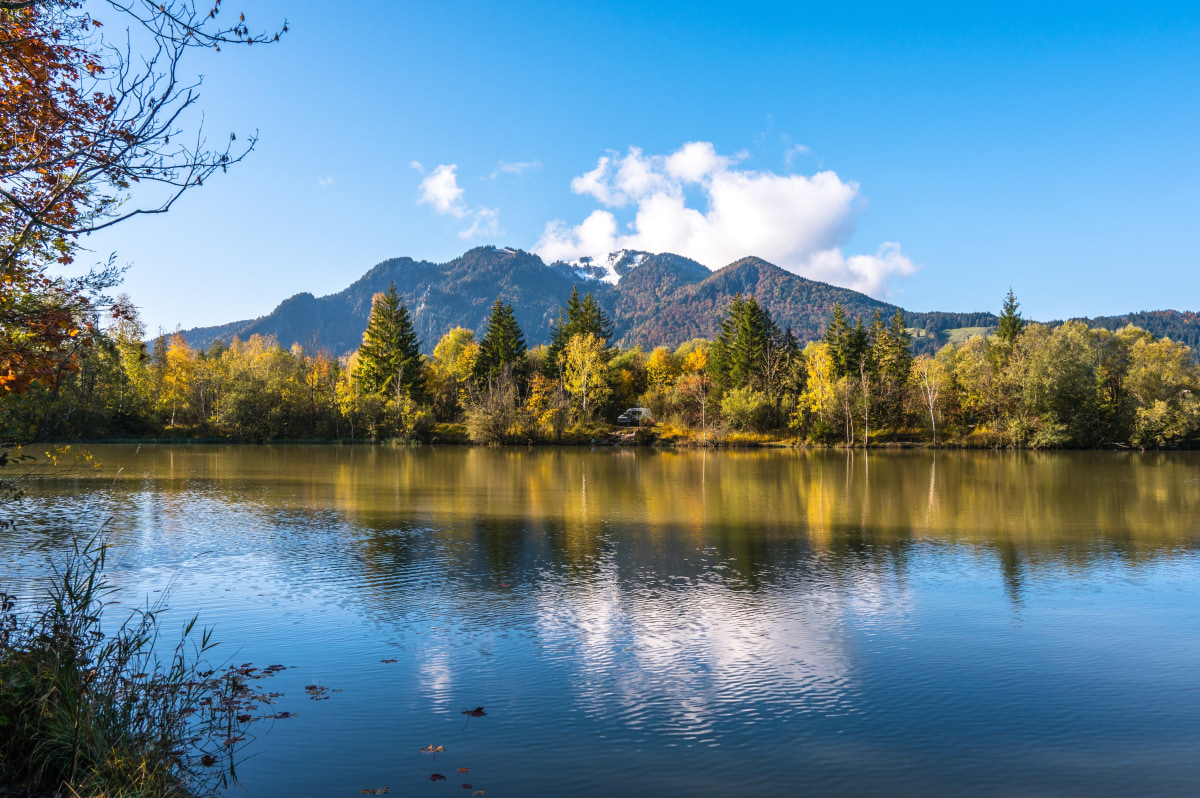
[578,317]
[503,345]
[837,336]
[1011,322]
[389,359]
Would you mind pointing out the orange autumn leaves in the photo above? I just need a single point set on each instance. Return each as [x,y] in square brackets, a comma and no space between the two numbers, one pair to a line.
[48,120]
[56,121]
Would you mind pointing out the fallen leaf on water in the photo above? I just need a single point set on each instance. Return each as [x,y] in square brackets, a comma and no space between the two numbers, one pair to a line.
[505,584]
[389,661]
[377,791]
[208,760]
[464,770]
[317,692]
[432,749]
[478,792]
[437,777]
[468,786]
[477,712]
[282,715]
[244,718]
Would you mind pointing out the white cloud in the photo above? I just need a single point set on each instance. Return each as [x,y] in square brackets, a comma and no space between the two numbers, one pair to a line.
[417,166]
[795,150]
[440,190]
[799,223]
[325,181]
[487,223]
[517,168]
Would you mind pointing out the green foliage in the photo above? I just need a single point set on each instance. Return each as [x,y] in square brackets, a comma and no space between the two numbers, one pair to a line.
[578,317]
[746,409]
[389,360]
[503,345]
[1052,386]
[1011,323]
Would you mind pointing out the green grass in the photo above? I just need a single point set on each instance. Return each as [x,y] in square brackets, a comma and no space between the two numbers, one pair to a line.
[960,334]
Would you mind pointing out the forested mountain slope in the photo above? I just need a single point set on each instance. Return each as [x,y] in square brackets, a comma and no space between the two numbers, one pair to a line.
[659,299]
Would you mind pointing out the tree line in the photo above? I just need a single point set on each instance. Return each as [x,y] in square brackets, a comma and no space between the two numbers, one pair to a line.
[1025,386]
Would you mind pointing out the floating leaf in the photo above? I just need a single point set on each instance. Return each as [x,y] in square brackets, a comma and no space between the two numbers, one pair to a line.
[463,770]
[468,786]
[477,712]
[208,760]
[432,749]
[478,792]
[389,661]
[505,584]
[377,791]
[437,777]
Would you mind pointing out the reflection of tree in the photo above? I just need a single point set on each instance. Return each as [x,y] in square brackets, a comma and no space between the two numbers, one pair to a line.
[1010,569]
[757,510]
[500,542]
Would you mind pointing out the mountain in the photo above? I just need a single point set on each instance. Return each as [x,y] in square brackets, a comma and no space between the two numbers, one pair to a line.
[440,296]
[654,299]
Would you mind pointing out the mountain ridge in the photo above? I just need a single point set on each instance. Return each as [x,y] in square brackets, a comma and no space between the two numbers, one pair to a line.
[656,299]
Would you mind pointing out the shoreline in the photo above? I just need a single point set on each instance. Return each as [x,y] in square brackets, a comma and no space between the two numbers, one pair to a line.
[610,443]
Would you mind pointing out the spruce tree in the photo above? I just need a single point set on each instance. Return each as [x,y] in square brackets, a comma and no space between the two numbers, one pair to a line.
[390,356]
[577,317]
[592,319]
[1011,322]
[503,344]
[843,341]
[749,347]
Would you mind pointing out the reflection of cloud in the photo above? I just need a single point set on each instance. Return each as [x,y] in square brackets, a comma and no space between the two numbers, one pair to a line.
[435,674]
[696,650]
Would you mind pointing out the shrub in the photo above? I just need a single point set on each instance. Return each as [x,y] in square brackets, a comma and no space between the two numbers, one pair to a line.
[746,409]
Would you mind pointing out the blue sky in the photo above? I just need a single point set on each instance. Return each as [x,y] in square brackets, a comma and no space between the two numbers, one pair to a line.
[934,155]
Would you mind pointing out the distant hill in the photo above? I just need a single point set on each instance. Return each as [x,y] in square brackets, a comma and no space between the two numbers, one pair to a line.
[654,300]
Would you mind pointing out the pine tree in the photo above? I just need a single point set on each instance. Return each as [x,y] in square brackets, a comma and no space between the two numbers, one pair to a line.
[389,359]
[837,336]
[1011,322]
[578,317]
[593,320]
[503,345]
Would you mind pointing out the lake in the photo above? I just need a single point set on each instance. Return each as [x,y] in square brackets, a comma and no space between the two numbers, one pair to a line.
[646,622]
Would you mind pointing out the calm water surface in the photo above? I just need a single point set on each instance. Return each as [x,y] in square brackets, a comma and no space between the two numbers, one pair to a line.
[677,623]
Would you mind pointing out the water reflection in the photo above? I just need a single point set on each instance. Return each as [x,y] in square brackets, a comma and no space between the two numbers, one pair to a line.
[728,623]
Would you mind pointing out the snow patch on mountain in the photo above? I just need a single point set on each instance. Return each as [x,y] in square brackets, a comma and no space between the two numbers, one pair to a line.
[609,269]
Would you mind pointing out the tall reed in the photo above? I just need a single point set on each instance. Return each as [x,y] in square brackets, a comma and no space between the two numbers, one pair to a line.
[91,711]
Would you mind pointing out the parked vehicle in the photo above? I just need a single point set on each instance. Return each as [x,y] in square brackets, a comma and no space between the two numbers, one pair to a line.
[635,416]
